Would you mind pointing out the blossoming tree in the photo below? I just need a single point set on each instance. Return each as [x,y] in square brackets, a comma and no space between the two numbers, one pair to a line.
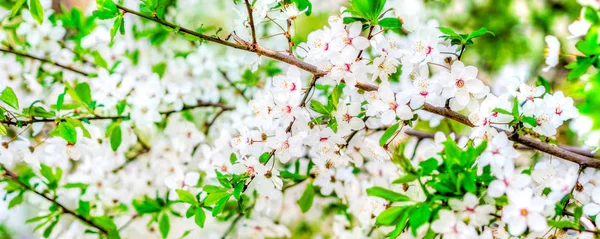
[235,119]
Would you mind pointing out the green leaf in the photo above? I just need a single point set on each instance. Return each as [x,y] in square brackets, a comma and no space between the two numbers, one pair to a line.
[387,194]
[8,96]
[84,93]
[580,67]
[159,69]
[428,166]
[367,9]
[318,107]
[214,198]
[99,60]
[50,228]
[530,121]
[36,9]
[186,196]
[389,216]
[336,94]
[233,158]
[15,201]
[401,222]
[501,111]
[482,31]
[590,15]
[200,217]
[388,133]
[515,109]
[115,138]
[447,31]
[15,9]
[3,130]
[106,9]
[405,179]
[78,124]
[164,225]
[219,206]
[302,5]
[264,158]
[390,22]
[419,217]
[117,24]
[562,224]
[307,198]
[66,131]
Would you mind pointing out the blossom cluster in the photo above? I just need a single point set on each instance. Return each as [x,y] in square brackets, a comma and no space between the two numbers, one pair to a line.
[151,128]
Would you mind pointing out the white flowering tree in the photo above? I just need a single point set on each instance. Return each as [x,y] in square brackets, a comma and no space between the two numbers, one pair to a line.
[299,119]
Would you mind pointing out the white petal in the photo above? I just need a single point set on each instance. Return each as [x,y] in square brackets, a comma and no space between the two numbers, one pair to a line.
[591,209]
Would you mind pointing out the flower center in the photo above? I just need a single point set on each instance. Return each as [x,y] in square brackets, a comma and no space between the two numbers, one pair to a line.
[524,212]
[460,83]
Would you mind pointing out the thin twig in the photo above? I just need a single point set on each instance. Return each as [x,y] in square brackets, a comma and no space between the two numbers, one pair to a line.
[14,177]
[199,105]
[251,22]
[47,61]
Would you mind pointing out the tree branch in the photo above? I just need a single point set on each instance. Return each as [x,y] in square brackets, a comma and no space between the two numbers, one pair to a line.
[525,140]
[43,60]
[251,22]
[199,105]
[14,177]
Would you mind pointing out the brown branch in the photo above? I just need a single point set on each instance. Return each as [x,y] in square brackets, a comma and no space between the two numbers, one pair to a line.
[244,46]
[525,140]
[22,123]
[251,22]
[14,177]
[43,60]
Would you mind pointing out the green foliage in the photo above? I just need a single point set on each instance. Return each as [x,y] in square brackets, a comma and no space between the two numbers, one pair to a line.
[307,198]
[387,194]
[463,39]
[367,10]
[389,132]
[37,10]
[302,5]
[8,96]
[106,9]
[66,131]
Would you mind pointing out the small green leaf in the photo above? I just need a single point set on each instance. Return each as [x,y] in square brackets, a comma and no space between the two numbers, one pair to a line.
[389,216]
[502,111]
[530,121]
[307,198]
[482,31]
[15,9]
[3,130]
[318,107]
[8,96]
[159,69]
[405,179]
[390,22]
[388,133]
[15,201]
[264,158]
[387,194]
[115,138]
[186,196]
[200,217]
[164,225]
[66,131]
[84,93]
[419,217]
[36,9]
[428,166]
